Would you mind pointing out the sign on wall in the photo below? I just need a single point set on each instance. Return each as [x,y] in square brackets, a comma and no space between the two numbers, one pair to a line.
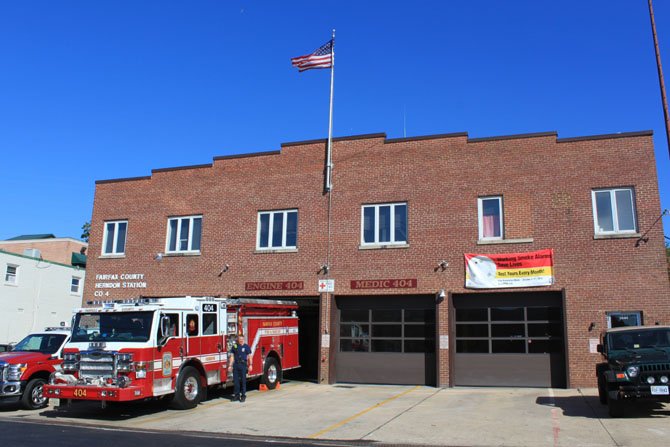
[274,285]
[104,282]
[384,284]
[326,285]
[489,271]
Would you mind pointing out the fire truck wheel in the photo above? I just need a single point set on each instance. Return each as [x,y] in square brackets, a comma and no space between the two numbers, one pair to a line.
[271,373]
[33,396]
[189,390]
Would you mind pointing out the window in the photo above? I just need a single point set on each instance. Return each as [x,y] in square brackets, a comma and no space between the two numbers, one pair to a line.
[11,274]
[614,211]
[184,234]
[74,285]
[277,230]
[384,224]
[209,323]
[387,330]
[621,319]
[192,325]
[490,218]
[114,238]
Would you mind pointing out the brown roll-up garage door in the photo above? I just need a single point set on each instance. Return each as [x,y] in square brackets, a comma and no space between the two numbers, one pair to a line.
[386,339]
[509,339]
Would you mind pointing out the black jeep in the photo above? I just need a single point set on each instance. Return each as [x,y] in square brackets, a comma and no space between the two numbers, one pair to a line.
[637,367]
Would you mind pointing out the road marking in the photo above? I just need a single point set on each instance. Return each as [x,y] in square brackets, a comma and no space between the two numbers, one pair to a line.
[556,428]
[361,413]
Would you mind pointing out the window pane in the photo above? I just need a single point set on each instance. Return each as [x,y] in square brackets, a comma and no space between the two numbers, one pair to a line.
[121,237]
[419,330]
[472,315]
[472,330]
[354,345]
[624,319]
[384,224]
[109,243]
[544,313]
[545,330]
[291,229]
[508,346]
[358,315]
[419,315]
[507,314]
[419,346]
[173,235]
[209,324]
[368,224]
[386,330]
[624,209]
[197,230]
[389,315]
[354,330]
[604,211]
[277,229]
[472,346]
[192,325]
[400,223]
[386,346]
[491,217]
[508,330]
[183,234]
[265,230]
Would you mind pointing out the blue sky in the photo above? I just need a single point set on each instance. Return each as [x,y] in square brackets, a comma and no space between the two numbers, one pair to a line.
[108,89]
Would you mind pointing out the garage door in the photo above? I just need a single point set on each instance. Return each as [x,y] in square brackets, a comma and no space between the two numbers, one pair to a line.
[387,340]
[505,339]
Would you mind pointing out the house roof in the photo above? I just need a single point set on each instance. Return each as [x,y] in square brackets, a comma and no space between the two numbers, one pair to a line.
[27,237]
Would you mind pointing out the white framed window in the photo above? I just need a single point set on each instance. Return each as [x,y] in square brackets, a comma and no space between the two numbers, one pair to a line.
[614,211]
[277,230]
[490,216]
[75,285]
[114,237]
[12,274]
[621,319]
[384,224]
[183,234]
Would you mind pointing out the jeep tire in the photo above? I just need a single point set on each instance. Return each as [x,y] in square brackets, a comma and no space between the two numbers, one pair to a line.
[602,389]
[615,407]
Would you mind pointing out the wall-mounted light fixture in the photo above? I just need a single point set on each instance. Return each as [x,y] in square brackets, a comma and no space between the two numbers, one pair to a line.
[158,257]
[592,326]
[442,265]
[324,268]
[440,295]
[225,268]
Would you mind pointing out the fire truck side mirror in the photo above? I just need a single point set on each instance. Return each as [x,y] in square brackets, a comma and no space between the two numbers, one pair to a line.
[165,327]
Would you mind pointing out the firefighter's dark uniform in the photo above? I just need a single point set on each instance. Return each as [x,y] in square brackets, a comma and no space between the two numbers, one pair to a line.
[240,354]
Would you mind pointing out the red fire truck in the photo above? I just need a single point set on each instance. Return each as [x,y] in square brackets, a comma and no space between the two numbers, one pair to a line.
[172,347]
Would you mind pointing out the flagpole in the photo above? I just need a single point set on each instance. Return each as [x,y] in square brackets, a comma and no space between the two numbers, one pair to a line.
[329,161]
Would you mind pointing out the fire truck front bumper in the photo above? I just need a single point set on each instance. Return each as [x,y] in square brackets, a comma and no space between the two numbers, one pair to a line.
[83,392]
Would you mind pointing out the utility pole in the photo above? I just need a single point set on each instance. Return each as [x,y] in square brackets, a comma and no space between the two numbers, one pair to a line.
[664,98]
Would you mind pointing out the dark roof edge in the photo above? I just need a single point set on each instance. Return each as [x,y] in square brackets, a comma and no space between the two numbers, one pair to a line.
[251,154]
[606,136]
[427,137]
[123,179]
[181,168]
[324,140]
[514,137]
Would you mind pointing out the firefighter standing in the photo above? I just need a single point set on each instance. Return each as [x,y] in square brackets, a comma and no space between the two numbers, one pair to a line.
[239,361]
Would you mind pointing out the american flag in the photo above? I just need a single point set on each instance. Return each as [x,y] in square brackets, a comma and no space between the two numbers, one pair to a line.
[321,58]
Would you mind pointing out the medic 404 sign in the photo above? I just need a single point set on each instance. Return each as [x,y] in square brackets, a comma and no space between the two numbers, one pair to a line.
[531,269]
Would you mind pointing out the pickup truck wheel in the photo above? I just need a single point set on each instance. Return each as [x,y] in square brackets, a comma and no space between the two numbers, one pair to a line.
[602,389]
[271,373]
[33,396]
[615,407]
[189,390]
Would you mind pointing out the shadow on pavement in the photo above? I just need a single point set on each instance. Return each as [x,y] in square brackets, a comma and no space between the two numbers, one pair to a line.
[590,407]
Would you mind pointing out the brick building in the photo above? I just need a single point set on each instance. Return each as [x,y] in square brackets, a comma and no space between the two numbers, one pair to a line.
[392,234]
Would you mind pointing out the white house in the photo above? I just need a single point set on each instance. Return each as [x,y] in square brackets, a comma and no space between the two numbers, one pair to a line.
[35,293]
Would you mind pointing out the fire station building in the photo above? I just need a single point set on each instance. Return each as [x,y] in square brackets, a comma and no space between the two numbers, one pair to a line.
[441,260]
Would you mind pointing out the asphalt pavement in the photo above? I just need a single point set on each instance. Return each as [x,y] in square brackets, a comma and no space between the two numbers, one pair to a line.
[303,413]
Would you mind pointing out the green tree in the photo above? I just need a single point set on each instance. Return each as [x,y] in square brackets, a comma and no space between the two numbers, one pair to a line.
[85,231]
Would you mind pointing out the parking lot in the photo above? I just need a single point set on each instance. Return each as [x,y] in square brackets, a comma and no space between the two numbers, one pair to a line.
[389,414]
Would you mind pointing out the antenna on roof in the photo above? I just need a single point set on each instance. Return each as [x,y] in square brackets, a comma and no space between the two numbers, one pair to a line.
[404,121]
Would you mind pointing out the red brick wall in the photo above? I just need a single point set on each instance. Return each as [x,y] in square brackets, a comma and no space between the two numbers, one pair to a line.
[51,250]
[546,187]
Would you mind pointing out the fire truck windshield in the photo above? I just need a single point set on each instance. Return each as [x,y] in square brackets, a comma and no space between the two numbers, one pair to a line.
[117,326]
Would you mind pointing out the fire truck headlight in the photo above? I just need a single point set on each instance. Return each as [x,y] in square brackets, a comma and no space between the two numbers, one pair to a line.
[125,358]
[123,381]
[15,372]
[70,357]
[140,370]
